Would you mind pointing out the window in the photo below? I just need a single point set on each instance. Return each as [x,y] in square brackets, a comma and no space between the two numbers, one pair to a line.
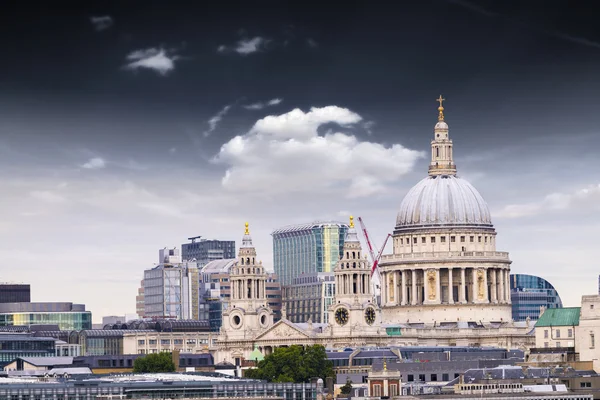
[585,384]
[433,239]
[433,377]
[445,377]
[592,341]
[569,332]
[377,390]
[411,378]
[472,239]
[152,341]
[591,306]
[558,333]
[141,342]
[165,341]
[462,239]
[545,333]
[393,390]
[415,240]
[453,239]
[423,239]
[486,239]
[422,377]
[443,239]
[479,239]
[401,241]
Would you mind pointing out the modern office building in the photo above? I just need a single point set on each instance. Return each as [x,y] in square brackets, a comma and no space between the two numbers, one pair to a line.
[24,345]
[204,251]
[307,248]
[67,316]
[215,292]
[171,288]
[309,296]
[529,293]
[15,293]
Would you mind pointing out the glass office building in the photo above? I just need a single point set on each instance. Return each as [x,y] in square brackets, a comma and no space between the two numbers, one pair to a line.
[15,293]
[204,251]
[307,248]
[309,297]
[528,293]
[24,345]
[67,316]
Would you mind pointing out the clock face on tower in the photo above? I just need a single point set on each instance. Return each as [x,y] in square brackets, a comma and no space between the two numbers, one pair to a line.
[341,316]
[370,316]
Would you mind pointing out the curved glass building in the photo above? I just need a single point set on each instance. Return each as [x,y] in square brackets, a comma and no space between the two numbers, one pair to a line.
[528,293]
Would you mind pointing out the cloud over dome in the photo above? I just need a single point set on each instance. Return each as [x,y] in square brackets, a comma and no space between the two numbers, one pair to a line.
[285,154]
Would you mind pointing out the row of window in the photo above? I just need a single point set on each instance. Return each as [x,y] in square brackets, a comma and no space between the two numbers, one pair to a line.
[142,342]
[432,239]
[557,334]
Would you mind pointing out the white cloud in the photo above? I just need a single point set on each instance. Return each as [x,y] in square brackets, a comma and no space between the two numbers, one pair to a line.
[155,59]
[245,46]
[585,197]
[260,105]
[94,163]
[285,153]
[47,196]
[215,119]
[102,22]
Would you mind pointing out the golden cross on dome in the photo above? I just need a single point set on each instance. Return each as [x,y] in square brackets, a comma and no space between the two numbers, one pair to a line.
[351,221]
[440,108]
[247,231]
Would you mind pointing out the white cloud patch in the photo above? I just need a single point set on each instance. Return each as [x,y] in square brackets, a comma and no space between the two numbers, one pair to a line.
[285,153]
[94,163]
[47,196]
[158,60]
[260,105]
[213,122]
[245,46]
[102,22]
[585,197]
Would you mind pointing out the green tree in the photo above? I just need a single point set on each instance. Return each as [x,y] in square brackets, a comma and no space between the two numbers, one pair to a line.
[347,388]
[157,362]
[293,364]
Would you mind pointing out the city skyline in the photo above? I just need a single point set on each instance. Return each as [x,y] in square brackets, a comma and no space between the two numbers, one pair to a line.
[138,125]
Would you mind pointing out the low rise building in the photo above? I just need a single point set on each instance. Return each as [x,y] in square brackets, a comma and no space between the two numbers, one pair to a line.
[13,346]
[556,327]
[67,316]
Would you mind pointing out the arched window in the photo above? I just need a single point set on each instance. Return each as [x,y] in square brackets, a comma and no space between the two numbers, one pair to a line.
[242,261]
[353,255]
[354,265]
[437,151]
[248,260]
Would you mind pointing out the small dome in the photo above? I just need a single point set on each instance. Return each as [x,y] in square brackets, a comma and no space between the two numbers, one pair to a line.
[443,201]
[441,125]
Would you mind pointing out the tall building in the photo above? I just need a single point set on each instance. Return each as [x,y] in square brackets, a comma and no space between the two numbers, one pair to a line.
[309,297]
[204,251]
[171,288]
[15,293]
[529,293]
[139,301]
[445,267]
[307,248]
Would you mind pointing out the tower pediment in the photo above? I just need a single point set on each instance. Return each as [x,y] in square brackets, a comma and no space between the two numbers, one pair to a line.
[283,330]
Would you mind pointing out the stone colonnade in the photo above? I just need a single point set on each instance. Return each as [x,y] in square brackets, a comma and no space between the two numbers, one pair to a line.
[248,289]
[449,285]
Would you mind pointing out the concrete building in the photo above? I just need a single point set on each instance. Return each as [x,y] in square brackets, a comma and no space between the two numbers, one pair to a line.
[309,297]
[171,287]
[139,301]
[15,293]
[556,327]
[67,316]
[307,248]
[528,294]
[588,331]
[204,251]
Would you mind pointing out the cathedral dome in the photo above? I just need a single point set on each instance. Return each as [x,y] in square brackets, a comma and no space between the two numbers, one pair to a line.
[443,201]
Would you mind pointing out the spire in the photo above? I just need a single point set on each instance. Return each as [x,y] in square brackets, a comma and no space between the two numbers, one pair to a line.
[247,239]
[351,221]
[441,108]
[351,235]
[442,162]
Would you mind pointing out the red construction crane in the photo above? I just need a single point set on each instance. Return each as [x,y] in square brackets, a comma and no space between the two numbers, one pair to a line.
[371,251]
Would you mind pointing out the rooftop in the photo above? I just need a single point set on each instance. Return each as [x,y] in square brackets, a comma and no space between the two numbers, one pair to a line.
[308,226]
[568,316]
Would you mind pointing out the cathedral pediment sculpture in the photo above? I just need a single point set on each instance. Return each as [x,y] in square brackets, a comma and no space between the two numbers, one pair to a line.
[282,331]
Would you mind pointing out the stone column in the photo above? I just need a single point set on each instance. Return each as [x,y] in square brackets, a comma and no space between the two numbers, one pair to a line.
[414,287]
[450,287]
[494,287]
[474,288]
[463,285]
[395,291]
[486,295]
[383,290]
[507,288]
[502,293]
[438,277]
[403,288]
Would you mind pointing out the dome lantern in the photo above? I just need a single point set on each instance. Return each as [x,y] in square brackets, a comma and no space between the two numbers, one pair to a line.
[442,162]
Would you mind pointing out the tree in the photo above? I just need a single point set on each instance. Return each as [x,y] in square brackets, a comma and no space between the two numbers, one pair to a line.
[293,364]
[157,362]
[347,388]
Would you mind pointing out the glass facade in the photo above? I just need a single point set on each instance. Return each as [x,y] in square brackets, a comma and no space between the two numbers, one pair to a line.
[528,293]
[307,248]
[15,293]
[309,296]
[171,291]
[71,320]
[12,347]
[205,251]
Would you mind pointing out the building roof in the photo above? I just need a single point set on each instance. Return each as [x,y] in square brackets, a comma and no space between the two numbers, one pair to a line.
[568,316]
[307,227]
[219,266]
[47,361]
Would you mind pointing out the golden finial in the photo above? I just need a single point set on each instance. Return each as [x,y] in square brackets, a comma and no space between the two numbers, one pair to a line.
[247,231]
[384,365]
[440,108]
[351,221]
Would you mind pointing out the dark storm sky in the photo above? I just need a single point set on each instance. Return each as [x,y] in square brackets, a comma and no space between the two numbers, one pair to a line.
[103,163]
